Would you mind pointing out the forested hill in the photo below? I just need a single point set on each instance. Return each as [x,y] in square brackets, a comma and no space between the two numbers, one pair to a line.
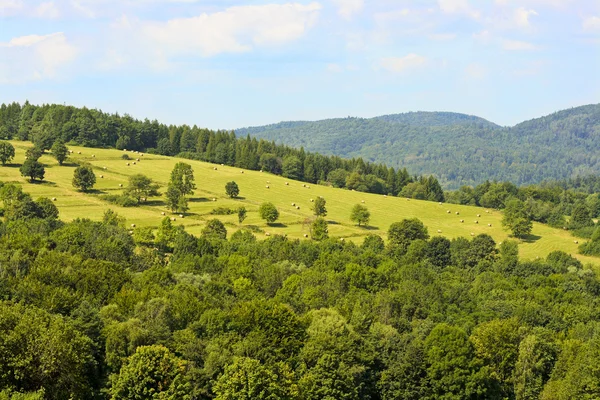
[459,149]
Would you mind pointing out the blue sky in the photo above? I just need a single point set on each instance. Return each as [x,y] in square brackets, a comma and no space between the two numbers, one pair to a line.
[235,63]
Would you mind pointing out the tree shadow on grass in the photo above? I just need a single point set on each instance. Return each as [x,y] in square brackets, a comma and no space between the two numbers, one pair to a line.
[369,228]
[199,200]
[95,191]
[277,225]
[42,183]
[11,165]
[333,223]
[153,203]
[531,238]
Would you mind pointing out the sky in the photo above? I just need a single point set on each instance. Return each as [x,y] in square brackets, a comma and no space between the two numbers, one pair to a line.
[234,63]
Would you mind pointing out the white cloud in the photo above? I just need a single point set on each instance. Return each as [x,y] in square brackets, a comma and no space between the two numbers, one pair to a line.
[335,68]
[34,57]
[347,8]
[47,10]
[458,7]
[10,7]
[403,64]
[484,36]
[521,17]
[234,30]
[591,24]
[517,45]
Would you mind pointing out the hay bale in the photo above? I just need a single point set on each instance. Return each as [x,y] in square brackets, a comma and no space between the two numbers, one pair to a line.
[341,239]
[448,211]
[267,186]
[478,215]
[297,207]
[105,168]
[101,176]
[267,234]
[137,159]
[128,164]
[385,195]
[214,199]
[303,185]
[362,201]
[487,211]
[293,204]
[222,165]
[287,184]
[143,199]
[180,215]
[269,182]
[462,221]
[134,163]
[476,222]
[305,235]
[576,241]
[472,234]
[133,225]
[54,199]
[120,185]
[261,170]
[142,154]
[162,213]
[457,213]
[78,152]
[439,231]
[93,156]
[172,218]
[440,203]
[312,200]
[490,225]
[308,187]
[242,172]
[130,232]
[215,168]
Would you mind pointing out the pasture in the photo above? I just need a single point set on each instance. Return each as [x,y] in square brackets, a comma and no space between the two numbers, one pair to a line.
[293,222]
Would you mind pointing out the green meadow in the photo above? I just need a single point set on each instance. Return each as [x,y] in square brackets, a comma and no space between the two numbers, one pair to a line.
[111,170]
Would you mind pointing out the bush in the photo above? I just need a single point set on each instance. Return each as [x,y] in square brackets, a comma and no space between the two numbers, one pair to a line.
[222,211]
[126,157]
[120,200]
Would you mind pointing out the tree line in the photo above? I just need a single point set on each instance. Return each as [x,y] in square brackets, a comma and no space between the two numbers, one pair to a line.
[44,125]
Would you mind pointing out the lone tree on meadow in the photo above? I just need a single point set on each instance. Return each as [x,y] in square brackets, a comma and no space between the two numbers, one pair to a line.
[180,185]
[241,213]
[60,151]
[232,189]
[7,152]
[268,212]
[33,169]
[319,207]
[140,187]
[319,230]
[84,178]
[516,219]
[360,214]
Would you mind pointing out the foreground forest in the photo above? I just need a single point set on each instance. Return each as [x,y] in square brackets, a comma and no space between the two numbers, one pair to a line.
[89,311]
[458,149]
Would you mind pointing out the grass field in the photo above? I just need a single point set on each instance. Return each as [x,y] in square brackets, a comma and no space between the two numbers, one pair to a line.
[253,191]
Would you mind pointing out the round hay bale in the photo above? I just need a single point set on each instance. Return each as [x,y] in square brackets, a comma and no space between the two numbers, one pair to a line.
[303,185]
[137,159]
[222,165]
[142,154]
[476,222]
[134,163]
[362,201]
[490,225]
[101,176]
[215,168]
[120,185]
[78,152]
[261,170]
[162,213]
[214,199]
[93,156]
[297,207]
[385,195]
[457,213]
[267,186]
[143,199]
[54,199]
[133,225]
[173,218]
[293,204]
[242,172]
[124,149]
[407,199]
[341,239]
[130,232]
[312,200]
[267,234]
[105,168]
[287,184]
[448,211]
[305,235]
[472,234]
[308,187]
[440,203]
[576,241]
[128,164]
[478,215]
[439,231]
[462,221]
[180,215]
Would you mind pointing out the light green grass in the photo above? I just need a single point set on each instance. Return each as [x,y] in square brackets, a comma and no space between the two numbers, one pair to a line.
[211,184]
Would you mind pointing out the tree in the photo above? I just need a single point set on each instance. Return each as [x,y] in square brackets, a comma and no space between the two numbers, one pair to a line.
[319,207]
[153,372]
[180,185]
[247,378]
[319,230]
[7,152]
[33,153]
[60,151]
[360,214]
[401,234]
[141,186]
[84,178]
[580,216]
[268,212]
[46,208]
[241,214]
[516,219]
[292,167]
[215,228]
[232,189]
[33,169]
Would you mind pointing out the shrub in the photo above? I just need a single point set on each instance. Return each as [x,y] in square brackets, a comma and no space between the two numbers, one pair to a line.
[120,200]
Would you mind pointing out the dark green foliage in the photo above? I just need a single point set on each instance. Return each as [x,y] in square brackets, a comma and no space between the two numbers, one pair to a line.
[60,151]
[33,169]
[319,207]
[241,212]
[232,189]
[401,234]
[7,152]
[180,185]
[516,220]
[319,230]
[292,167]
[215,228]
[84,178]
[268,212]
[119,199]
[222,211]
[580,216]
[360,215]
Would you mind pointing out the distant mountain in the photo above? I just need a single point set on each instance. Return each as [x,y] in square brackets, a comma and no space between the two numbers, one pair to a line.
[460,149]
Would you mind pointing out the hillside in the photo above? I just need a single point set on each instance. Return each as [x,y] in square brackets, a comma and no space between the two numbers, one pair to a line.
[457,148]
[253,191]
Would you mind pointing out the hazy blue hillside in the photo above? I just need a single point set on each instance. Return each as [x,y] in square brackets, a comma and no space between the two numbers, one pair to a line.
[458,148]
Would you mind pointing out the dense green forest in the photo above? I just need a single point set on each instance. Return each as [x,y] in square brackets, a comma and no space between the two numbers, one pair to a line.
[46,124]
[89,310]
[458,149]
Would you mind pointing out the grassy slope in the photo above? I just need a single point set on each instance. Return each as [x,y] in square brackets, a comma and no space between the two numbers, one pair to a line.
[211,183]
